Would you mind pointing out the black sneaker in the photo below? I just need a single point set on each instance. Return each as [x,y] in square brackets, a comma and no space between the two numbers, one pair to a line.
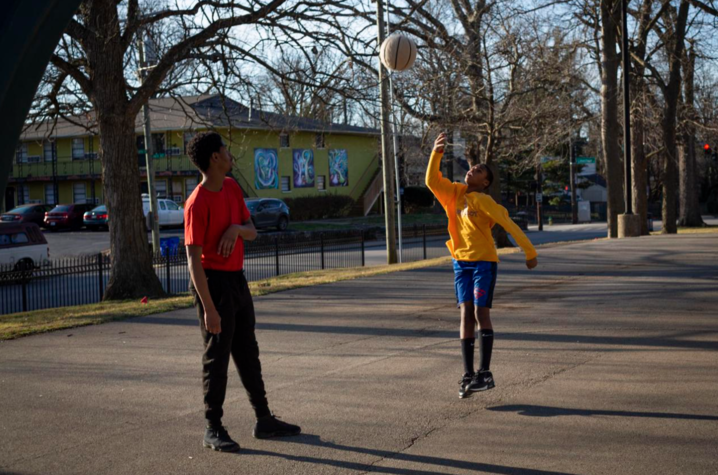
[271,426]
[218,439]
[482,381]
[464,386]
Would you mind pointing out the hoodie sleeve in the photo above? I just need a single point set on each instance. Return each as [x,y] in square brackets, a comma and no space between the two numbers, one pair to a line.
[500,216]
[442,188]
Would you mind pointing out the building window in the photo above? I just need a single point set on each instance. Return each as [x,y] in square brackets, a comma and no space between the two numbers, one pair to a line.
[319,140]
[158,142]
[78,149]
[79,193]
[190,184]
[47,150]
[23,194]
[161,188]
[320,183]
[188,136]
[285,184]
[21,153]
[283,140]
[50,194]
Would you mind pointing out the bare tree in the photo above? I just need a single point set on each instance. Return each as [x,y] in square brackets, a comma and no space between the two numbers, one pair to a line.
[94,64]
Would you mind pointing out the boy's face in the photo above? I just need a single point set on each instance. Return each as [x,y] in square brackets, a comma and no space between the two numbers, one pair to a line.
[222,160]
[477,177]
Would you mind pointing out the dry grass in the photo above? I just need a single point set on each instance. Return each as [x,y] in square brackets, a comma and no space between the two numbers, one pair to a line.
[703,230]
[39,321]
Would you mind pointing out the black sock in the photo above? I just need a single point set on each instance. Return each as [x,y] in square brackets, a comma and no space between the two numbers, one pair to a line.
[467,352]
[486,344]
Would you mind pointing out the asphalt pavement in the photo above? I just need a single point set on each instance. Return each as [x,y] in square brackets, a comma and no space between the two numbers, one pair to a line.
[605,362]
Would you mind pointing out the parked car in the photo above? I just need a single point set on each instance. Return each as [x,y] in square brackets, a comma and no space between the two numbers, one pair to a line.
[169,212]
[96,218]
[66,216]
[269,212]
[23,246]
[28,213]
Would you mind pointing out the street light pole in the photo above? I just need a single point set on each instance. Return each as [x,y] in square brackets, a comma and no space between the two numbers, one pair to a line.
[400,254]
[149,153]
[387,166]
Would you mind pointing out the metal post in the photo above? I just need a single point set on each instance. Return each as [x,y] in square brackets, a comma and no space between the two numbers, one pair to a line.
[387,166]
[539,196]
[154,222]
[424,231]
[626,108]
[363,259]
[167,271]
[321,241]
[276,255]
[24,292]
[572,178]
[396,162]
[100,276]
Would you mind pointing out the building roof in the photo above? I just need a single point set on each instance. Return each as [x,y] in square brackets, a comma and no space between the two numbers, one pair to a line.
[196,112]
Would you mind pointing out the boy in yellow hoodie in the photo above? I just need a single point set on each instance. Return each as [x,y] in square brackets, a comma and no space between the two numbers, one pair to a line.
[472,214]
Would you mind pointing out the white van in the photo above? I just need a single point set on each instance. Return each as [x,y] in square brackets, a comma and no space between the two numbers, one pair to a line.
[169,212]
[23,246]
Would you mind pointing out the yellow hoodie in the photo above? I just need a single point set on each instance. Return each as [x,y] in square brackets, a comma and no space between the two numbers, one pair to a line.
[471,217]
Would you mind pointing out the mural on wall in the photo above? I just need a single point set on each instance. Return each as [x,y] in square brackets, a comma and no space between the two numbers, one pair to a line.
[303,160]
[266,169]
[338,168]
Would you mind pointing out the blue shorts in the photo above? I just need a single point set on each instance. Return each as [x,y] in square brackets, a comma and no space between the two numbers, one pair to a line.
[475,282]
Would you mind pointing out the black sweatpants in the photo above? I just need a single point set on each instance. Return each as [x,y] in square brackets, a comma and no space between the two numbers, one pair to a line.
[231,296]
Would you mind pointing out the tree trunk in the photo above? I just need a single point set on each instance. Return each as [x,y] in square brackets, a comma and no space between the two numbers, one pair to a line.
[131,274]
[501,237]
[689,209]
[610,19]
[639,165]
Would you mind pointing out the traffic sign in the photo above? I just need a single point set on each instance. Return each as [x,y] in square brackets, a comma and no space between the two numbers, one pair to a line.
[539,197]
[586,160]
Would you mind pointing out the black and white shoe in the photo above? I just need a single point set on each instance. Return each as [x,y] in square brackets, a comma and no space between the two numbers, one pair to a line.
[464,383]
[482,381]
[218,439]
[270,426]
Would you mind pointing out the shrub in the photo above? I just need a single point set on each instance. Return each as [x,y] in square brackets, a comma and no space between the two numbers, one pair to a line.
[417,198]
[319,207]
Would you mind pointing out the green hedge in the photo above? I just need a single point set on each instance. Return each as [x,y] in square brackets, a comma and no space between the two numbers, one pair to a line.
[417,198]
[319,207]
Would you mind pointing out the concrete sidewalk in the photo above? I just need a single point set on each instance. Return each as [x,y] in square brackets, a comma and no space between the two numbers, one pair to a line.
[606,361]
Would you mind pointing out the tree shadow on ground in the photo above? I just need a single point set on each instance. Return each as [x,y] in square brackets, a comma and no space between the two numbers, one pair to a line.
[548,411]
[385,455]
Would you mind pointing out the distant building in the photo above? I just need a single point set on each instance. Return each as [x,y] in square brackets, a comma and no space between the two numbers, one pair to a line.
[276,156]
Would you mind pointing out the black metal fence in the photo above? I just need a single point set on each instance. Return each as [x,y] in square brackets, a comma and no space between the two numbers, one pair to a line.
[83,280]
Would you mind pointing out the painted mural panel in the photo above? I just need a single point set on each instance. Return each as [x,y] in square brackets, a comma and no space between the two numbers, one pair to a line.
[338,168]
[303,160]
[266,169]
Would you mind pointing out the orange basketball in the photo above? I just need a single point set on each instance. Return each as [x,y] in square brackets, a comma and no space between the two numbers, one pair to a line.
[398,52]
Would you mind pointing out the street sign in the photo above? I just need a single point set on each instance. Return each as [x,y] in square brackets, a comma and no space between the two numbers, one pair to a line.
[586,160]
[589,165]
[548,159]
[539,197]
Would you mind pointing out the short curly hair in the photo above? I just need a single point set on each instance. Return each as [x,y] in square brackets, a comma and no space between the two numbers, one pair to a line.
[201,148]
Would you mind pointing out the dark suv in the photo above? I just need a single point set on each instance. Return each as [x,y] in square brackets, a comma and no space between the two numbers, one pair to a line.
[268,213]
[29,213]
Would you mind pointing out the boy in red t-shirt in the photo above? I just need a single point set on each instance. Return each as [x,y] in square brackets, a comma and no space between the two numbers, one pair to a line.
[217,222]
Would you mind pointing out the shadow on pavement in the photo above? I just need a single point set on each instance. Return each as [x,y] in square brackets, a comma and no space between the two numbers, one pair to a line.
[315,440]
[547,411]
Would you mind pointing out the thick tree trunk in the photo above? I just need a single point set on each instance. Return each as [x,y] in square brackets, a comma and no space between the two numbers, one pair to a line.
[610,18]
[501,237]
[131,274]
[639,165]
[689,209]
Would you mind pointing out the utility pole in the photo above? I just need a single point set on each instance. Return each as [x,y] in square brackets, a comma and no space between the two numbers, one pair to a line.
[572,177]
[539,195]
[387,166]
[149,153]
[397,175]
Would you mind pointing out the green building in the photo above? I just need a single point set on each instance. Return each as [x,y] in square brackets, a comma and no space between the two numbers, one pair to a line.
[276,156]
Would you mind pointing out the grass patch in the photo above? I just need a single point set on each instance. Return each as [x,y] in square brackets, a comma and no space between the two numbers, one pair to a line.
[40,321]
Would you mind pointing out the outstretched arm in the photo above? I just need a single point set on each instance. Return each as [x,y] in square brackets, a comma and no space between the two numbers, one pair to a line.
[500,216]
[442,188]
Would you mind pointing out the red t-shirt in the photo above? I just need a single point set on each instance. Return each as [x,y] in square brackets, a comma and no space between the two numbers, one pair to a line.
[207,215]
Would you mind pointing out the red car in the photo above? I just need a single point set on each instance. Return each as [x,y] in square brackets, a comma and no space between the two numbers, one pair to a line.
[66,216]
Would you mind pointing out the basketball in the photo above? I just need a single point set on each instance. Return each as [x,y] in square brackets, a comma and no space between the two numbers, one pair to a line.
[398,52]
